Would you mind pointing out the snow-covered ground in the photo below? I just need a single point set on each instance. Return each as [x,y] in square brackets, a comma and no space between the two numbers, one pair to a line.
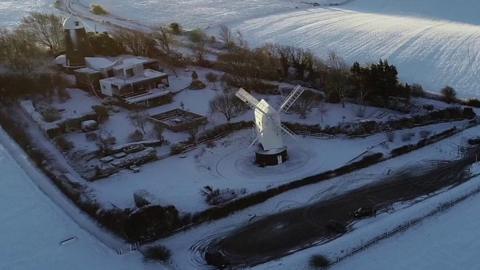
[448,241]
[37,234]
[12,11]
[188,244]
[229,164]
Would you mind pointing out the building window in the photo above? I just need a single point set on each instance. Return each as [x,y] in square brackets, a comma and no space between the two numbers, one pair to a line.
[129,72]
[77,23]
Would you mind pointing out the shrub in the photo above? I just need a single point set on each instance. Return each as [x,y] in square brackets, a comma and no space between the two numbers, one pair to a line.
[151,222]
[474,141]
[158,130]
[221,196]
[98,9]
[473,102]
[104,44]
[63,94]
[176,28]
[135,136]
[417,90]
[105,140]
[449,94]
[469,113]
[197,36]
[102,113]
[319,262]
[402,150]
[91,136]
[64,144]
[177,149]
[425,133]
[51,115]
[252,84]
[197,85]
[212,77]
[407,136]
[428,107]
[390,135]
[157,253]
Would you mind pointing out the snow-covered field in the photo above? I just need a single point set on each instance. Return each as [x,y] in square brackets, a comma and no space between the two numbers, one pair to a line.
[11,11]
[435,43]
[37,234]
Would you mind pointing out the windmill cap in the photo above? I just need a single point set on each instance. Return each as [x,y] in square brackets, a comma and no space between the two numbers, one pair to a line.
[72,23]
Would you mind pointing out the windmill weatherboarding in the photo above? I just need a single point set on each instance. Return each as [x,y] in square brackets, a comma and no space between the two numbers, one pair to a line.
[269,128]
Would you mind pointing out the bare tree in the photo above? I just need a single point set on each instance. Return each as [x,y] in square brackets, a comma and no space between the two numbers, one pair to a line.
[105,140]
[164,38]
[302,60]
[139,119]
[241,42]
[200,50]
[138,43]
[227,104]
[323,110]
[449,94]
[60,85]
[285,55]
[361,102]
[305,103]
[193,132]
[226,36]
[91,82]
[336,62]
[46,29]
[19,51]
[337,82]
[212,78]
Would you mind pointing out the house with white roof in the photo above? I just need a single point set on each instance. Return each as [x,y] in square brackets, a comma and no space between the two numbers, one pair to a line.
[136,85]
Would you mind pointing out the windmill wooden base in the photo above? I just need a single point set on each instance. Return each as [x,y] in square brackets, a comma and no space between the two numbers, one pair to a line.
[271,158]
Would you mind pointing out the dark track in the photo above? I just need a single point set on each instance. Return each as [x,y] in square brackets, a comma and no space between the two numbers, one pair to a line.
[284,233]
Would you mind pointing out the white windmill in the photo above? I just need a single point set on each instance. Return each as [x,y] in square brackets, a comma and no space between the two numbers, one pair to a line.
[269,128]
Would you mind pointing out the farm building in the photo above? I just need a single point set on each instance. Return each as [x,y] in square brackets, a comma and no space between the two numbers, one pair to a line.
[136,85]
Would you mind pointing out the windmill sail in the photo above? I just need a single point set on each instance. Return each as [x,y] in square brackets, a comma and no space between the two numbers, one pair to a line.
[268,125]
[291,98]
[247,98]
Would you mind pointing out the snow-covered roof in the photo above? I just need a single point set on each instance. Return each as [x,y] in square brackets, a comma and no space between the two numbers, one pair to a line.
[147,74]
[86,70]
[99,63]
[135,60]
[73,23]
[61,60]
[129,61]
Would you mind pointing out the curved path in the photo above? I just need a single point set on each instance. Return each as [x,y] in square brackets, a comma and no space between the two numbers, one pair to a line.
[287,232]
